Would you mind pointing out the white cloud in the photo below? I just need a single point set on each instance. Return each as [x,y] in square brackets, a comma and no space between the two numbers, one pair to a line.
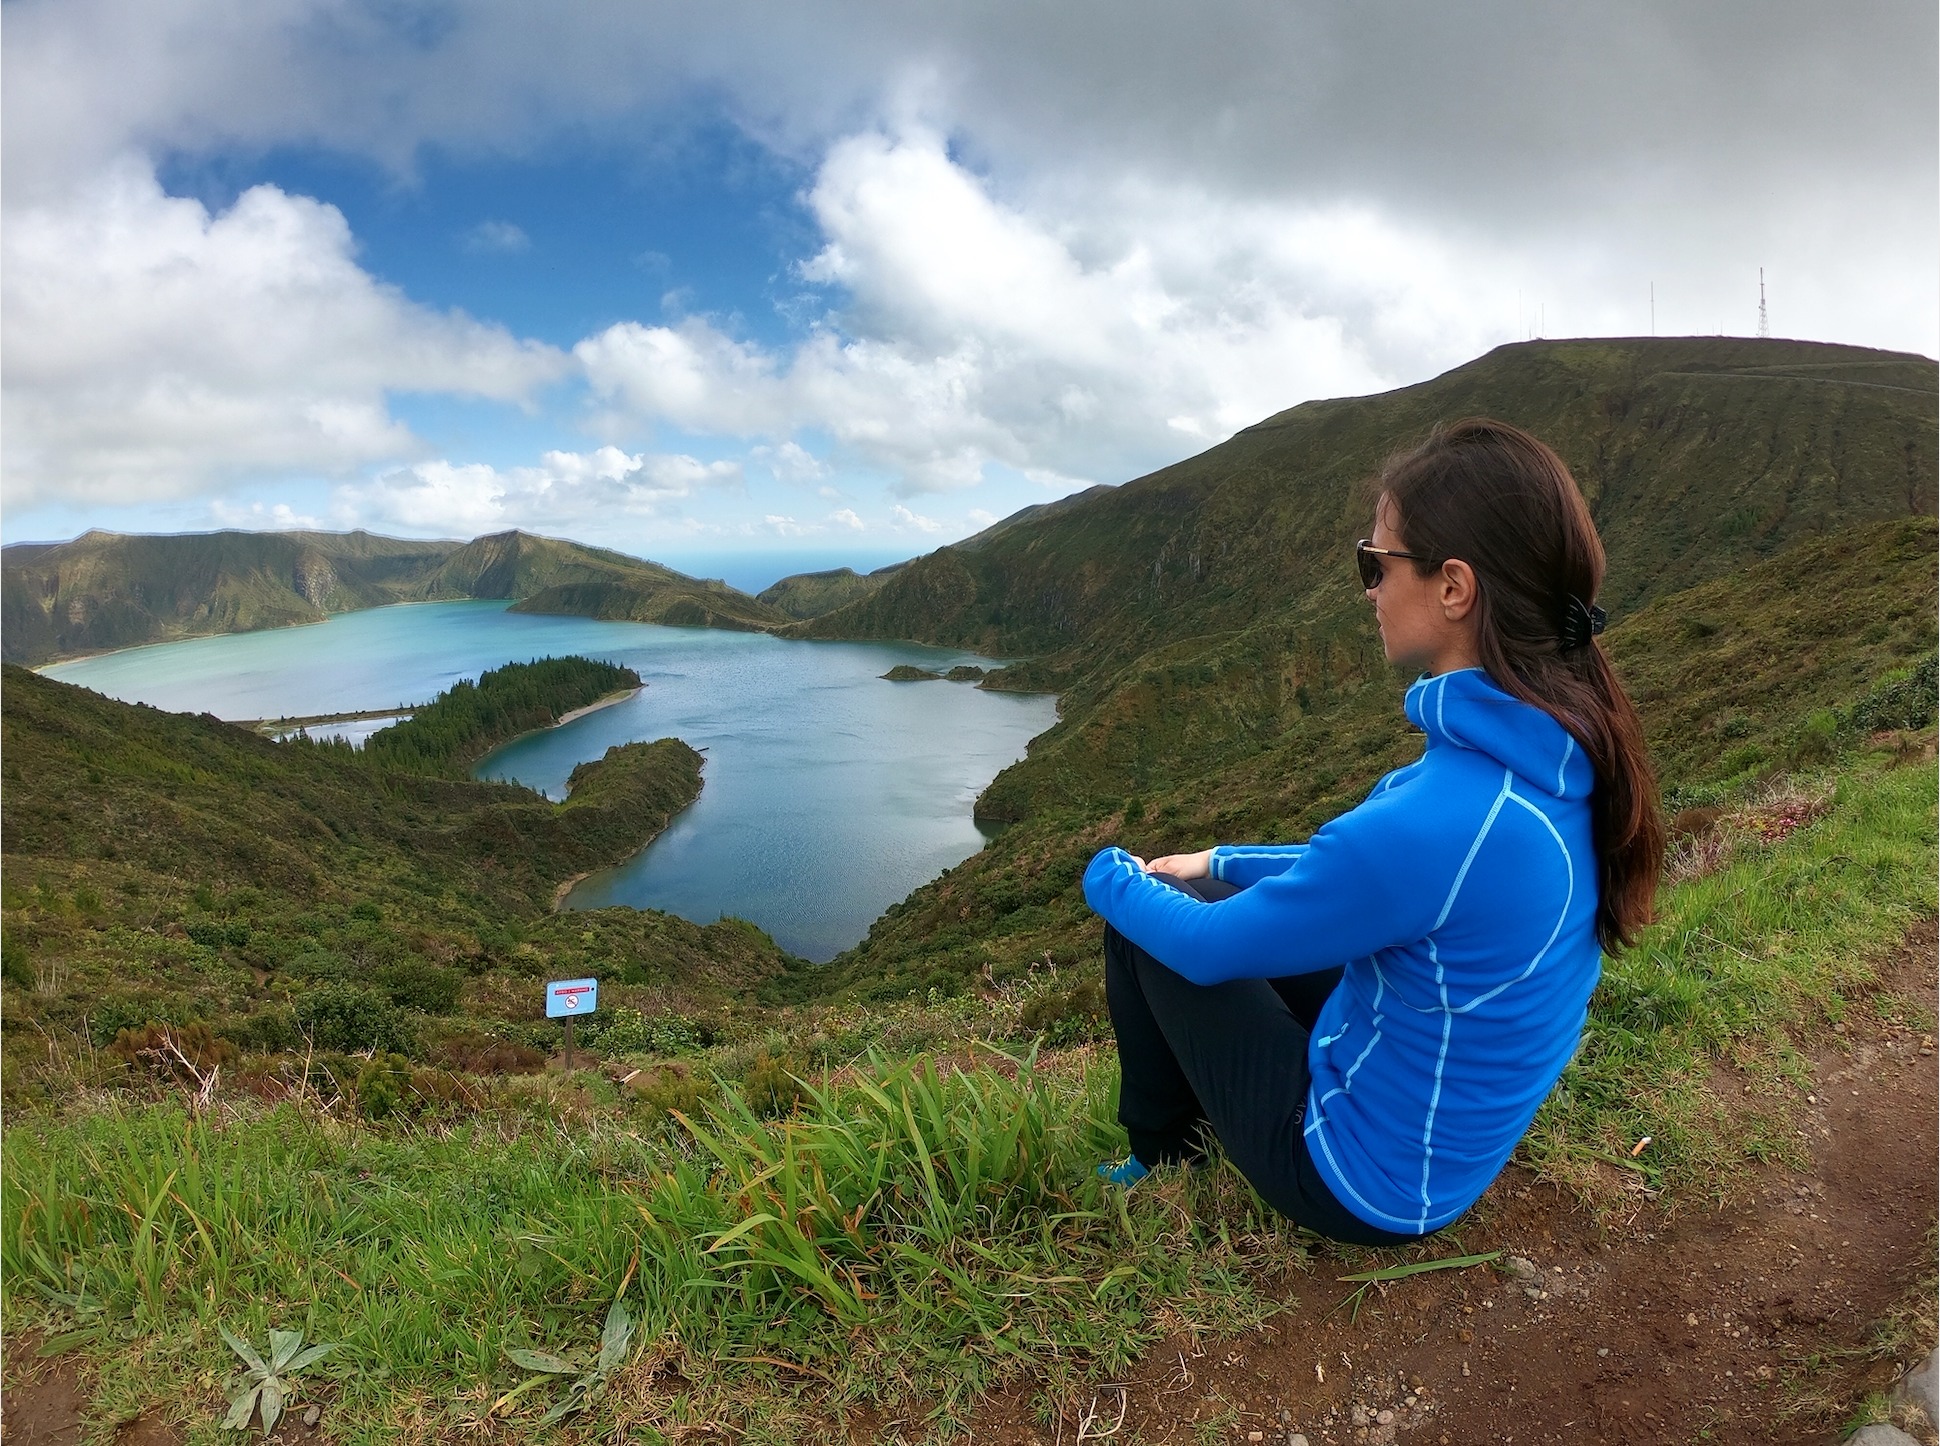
[846,517]
[1056,481]
[980,518]
[587,492]
[154,350]
[501,237]
[907,521]
[691,375]
[791,462]
[1073,260]
[1105,342]
[279,517]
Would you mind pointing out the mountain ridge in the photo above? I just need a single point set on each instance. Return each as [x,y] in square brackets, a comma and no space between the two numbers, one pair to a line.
[106,590]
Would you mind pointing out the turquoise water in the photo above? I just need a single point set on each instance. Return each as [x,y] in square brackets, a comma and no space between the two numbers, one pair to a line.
[829,794]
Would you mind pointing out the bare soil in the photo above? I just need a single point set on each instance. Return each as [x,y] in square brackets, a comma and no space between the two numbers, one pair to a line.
[1761,1321]
[45,1403]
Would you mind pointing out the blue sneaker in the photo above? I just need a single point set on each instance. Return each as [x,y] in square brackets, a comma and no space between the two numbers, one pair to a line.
[1127,1172]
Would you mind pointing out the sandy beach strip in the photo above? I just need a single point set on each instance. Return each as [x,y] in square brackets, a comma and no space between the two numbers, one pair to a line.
[607,702]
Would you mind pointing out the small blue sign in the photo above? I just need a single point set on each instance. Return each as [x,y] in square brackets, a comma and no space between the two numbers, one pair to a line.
[567,998]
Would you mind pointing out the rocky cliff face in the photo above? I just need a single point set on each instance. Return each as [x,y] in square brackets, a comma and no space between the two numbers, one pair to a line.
[313,579]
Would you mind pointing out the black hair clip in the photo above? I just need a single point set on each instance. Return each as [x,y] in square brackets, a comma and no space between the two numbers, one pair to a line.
[1581,622]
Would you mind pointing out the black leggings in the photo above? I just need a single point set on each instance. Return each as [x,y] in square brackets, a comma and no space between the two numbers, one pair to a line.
[1229,1059]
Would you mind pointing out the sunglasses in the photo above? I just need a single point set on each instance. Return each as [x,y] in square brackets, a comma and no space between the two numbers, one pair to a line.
[1367,555]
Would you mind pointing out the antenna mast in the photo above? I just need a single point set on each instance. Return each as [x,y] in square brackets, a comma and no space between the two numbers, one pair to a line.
[1764,321]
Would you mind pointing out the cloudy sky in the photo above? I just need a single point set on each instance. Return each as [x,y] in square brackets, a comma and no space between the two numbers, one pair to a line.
[844,282]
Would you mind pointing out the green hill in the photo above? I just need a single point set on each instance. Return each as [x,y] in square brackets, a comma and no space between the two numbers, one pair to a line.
[1737,679]
[811,594]
[687,604]
[1199,608]
[551,576]
[1696,454]
[178,869]
[1218,671]
[106,590]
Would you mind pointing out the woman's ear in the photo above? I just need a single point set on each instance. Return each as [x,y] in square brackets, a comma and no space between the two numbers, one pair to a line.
[1458,590]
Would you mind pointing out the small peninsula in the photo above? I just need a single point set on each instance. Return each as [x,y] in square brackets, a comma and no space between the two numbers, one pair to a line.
[469,720]
[910,673]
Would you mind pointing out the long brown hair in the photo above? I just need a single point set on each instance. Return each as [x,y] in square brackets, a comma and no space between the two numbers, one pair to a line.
[1496,498]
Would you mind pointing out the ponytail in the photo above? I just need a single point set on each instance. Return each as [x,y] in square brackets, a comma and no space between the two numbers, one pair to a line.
[1495,497]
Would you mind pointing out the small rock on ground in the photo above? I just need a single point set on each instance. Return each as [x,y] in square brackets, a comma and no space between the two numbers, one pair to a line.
[1880,1435]
[1921,1388]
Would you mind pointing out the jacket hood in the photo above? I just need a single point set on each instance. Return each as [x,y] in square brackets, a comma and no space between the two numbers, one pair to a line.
[1465,709]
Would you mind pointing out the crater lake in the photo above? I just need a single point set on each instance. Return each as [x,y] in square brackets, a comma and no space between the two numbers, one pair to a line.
[828,794]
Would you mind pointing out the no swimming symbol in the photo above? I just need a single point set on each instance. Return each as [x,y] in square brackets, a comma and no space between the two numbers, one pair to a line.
[567,998]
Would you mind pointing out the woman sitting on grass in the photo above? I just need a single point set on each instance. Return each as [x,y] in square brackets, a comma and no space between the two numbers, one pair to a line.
[1368,1021]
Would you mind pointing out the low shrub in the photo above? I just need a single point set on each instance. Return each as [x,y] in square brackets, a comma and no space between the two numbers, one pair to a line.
[314,962]
[175,1052]
[352,1017]
[268,1031]
[383,1087]
[1817,738]
[628,1031]
[1904,701]
[390,1087]
[770,1086]
[487,1054]
[15,967]
[1066,1017]
[659,1091]
[109,1017]
[213,934]
[416,983]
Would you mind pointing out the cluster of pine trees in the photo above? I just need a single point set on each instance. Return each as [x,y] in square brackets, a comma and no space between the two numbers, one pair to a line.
[470,719]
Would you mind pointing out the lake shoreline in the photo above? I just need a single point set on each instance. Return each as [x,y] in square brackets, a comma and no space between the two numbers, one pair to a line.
[190,637]
[610,700]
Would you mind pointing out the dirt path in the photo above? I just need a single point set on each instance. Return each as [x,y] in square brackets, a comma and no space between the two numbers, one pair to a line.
[1751,1324]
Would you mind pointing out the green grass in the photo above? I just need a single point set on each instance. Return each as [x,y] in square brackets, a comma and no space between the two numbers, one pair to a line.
[1744,968]
[905,1237]
[918,1229]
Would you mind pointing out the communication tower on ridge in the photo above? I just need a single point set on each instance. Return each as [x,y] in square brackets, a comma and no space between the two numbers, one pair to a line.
[1764,321]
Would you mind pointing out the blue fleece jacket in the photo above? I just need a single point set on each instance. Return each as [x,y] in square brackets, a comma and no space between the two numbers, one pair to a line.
[1461,898]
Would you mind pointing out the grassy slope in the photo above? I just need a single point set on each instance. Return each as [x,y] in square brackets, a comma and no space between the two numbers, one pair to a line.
[1696,455]
[907,1237]
[1726,675]
[810,594]
[180,869]
[551,576]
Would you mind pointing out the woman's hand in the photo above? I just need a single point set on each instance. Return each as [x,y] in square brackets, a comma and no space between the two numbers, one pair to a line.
[1182,866]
